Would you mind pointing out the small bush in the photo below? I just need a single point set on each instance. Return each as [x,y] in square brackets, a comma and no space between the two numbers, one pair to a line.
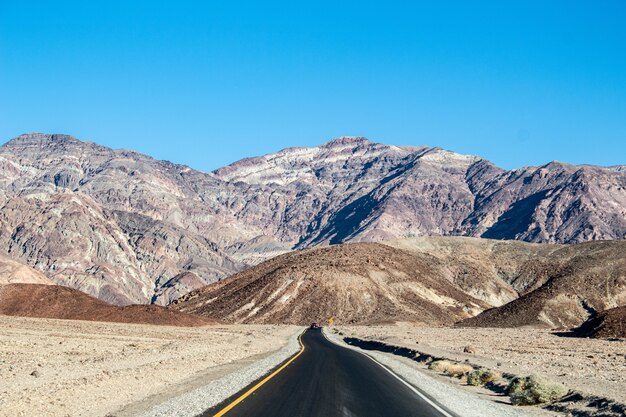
[459,370]
[533,390]
[450,368]
[482,376]
[515,386]
[438,366]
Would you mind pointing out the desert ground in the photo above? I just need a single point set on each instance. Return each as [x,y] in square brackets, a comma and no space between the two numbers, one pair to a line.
[591,366]
[78,368]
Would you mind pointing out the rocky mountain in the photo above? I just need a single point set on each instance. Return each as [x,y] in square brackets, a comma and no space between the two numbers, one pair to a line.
[579,282]
[429,280]
[354,190]
[115,224]
[127,228]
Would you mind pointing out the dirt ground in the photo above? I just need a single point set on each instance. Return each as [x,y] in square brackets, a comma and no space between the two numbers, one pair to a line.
[591,366]
[77,368]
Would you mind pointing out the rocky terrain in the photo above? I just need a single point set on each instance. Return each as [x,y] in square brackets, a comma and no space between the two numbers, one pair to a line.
[428,280]
[582,280]
[52,368]
[351,283]
[592,367]
[609,324]
[56,302]
[126,228]
[15,272]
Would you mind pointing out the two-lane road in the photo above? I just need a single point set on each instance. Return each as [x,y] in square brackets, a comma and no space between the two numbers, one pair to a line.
[327,380]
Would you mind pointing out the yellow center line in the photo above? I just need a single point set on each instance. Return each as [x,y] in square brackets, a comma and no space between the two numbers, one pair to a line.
[257,386]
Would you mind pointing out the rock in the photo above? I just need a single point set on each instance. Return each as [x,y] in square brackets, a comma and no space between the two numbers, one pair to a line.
[469,349]
[35,373]
[127,228]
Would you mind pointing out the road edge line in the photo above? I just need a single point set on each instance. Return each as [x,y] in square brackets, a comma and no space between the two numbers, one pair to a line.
[422,395]
[262,382]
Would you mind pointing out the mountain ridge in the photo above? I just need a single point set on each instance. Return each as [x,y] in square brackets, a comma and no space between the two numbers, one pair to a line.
[151,230]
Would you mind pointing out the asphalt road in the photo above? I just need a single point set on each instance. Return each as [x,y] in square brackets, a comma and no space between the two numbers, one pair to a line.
[328,380]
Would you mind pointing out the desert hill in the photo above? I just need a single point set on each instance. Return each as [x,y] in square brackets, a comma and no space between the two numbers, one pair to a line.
[607,325]
[13,272]
[351,283]
[56,302]
[434,281]
[583,279]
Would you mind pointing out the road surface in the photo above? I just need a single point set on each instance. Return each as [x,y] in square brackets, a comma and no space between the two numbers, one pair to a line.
[327,380]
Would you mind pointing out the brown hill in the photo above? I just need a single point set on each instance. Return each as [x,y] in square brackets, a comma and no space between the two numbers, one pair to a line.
[582,280]
[432,280]
[607,325]
[351,283]
[491,270]
[56,302]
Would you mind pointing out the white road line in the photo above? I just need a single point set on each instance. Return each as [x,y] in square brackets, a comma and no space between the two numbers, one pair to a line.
[411,387]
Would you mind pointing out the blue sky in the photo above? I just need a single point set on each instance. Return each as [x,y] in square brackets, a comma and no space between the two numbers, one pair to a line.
[208,82]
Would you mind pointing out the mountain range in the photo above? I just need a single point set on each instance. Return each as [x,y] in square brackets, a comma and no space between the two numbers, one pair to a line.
[127,228]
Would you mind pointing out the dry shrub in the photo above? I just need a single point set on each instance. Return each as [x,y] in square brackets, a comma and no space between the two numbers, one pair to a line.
[451,368]
[533,390]
[438,366]
[459,370]
[482,376]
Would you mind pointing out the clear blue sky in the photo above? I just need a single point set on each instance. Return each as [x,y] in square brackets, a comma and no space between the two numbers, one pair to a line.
[208,82]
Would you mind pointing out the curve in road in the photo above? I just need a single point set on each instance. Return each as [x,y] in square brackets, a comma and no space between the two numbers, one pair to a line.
[328,380]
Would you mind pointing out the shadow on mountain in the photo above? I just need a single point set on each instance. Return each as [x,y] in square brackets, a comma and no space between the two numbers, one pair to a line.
[515,221]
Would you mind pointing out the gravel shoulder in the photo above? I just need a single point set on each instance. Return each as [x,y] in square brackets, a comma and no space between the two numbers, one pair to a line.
[78,368]
[217,389]
[453,399]
[591,366]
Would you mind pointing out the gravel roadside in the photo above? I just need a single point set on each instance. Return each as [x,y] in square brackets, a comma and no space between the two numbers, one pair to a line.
[457,401]
[197,401]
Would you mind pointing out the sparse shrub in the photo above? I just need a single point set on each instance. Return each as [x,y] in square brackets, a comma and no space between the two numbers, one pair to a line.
[450,368]
[459,370]
[438,366]
[515,386]
[533,390]
[482,376]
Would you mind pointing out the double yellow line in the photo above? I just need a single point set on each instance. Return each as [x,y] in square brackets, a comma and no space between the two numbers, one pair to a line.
[257,386]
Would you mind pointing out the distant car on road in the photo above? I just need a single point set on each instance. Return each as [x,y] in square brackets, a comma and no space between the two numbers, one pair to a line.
[315,325]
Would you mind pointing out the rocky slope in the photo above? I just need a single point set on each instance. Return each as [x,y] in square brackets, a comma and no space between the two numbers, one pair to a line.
[115,224]
[352,189]
[56,302]
[608,324]
[351,283]
[580,281]
[429,280]
[12,272]
[127,228]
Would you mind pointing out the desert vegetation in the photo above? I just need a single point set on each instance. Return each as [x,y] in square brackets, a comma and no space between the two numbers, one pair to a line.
[534,389]
[453,369]
[482,376]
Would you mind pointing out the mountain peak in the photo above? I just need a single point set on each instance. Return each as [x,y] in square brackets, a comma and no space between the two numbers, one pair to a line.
[36,138]
[347,140]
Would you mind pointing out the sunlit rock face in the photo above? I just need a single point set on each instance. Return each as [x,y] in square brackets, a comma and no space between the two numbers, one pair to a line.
[128,228]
